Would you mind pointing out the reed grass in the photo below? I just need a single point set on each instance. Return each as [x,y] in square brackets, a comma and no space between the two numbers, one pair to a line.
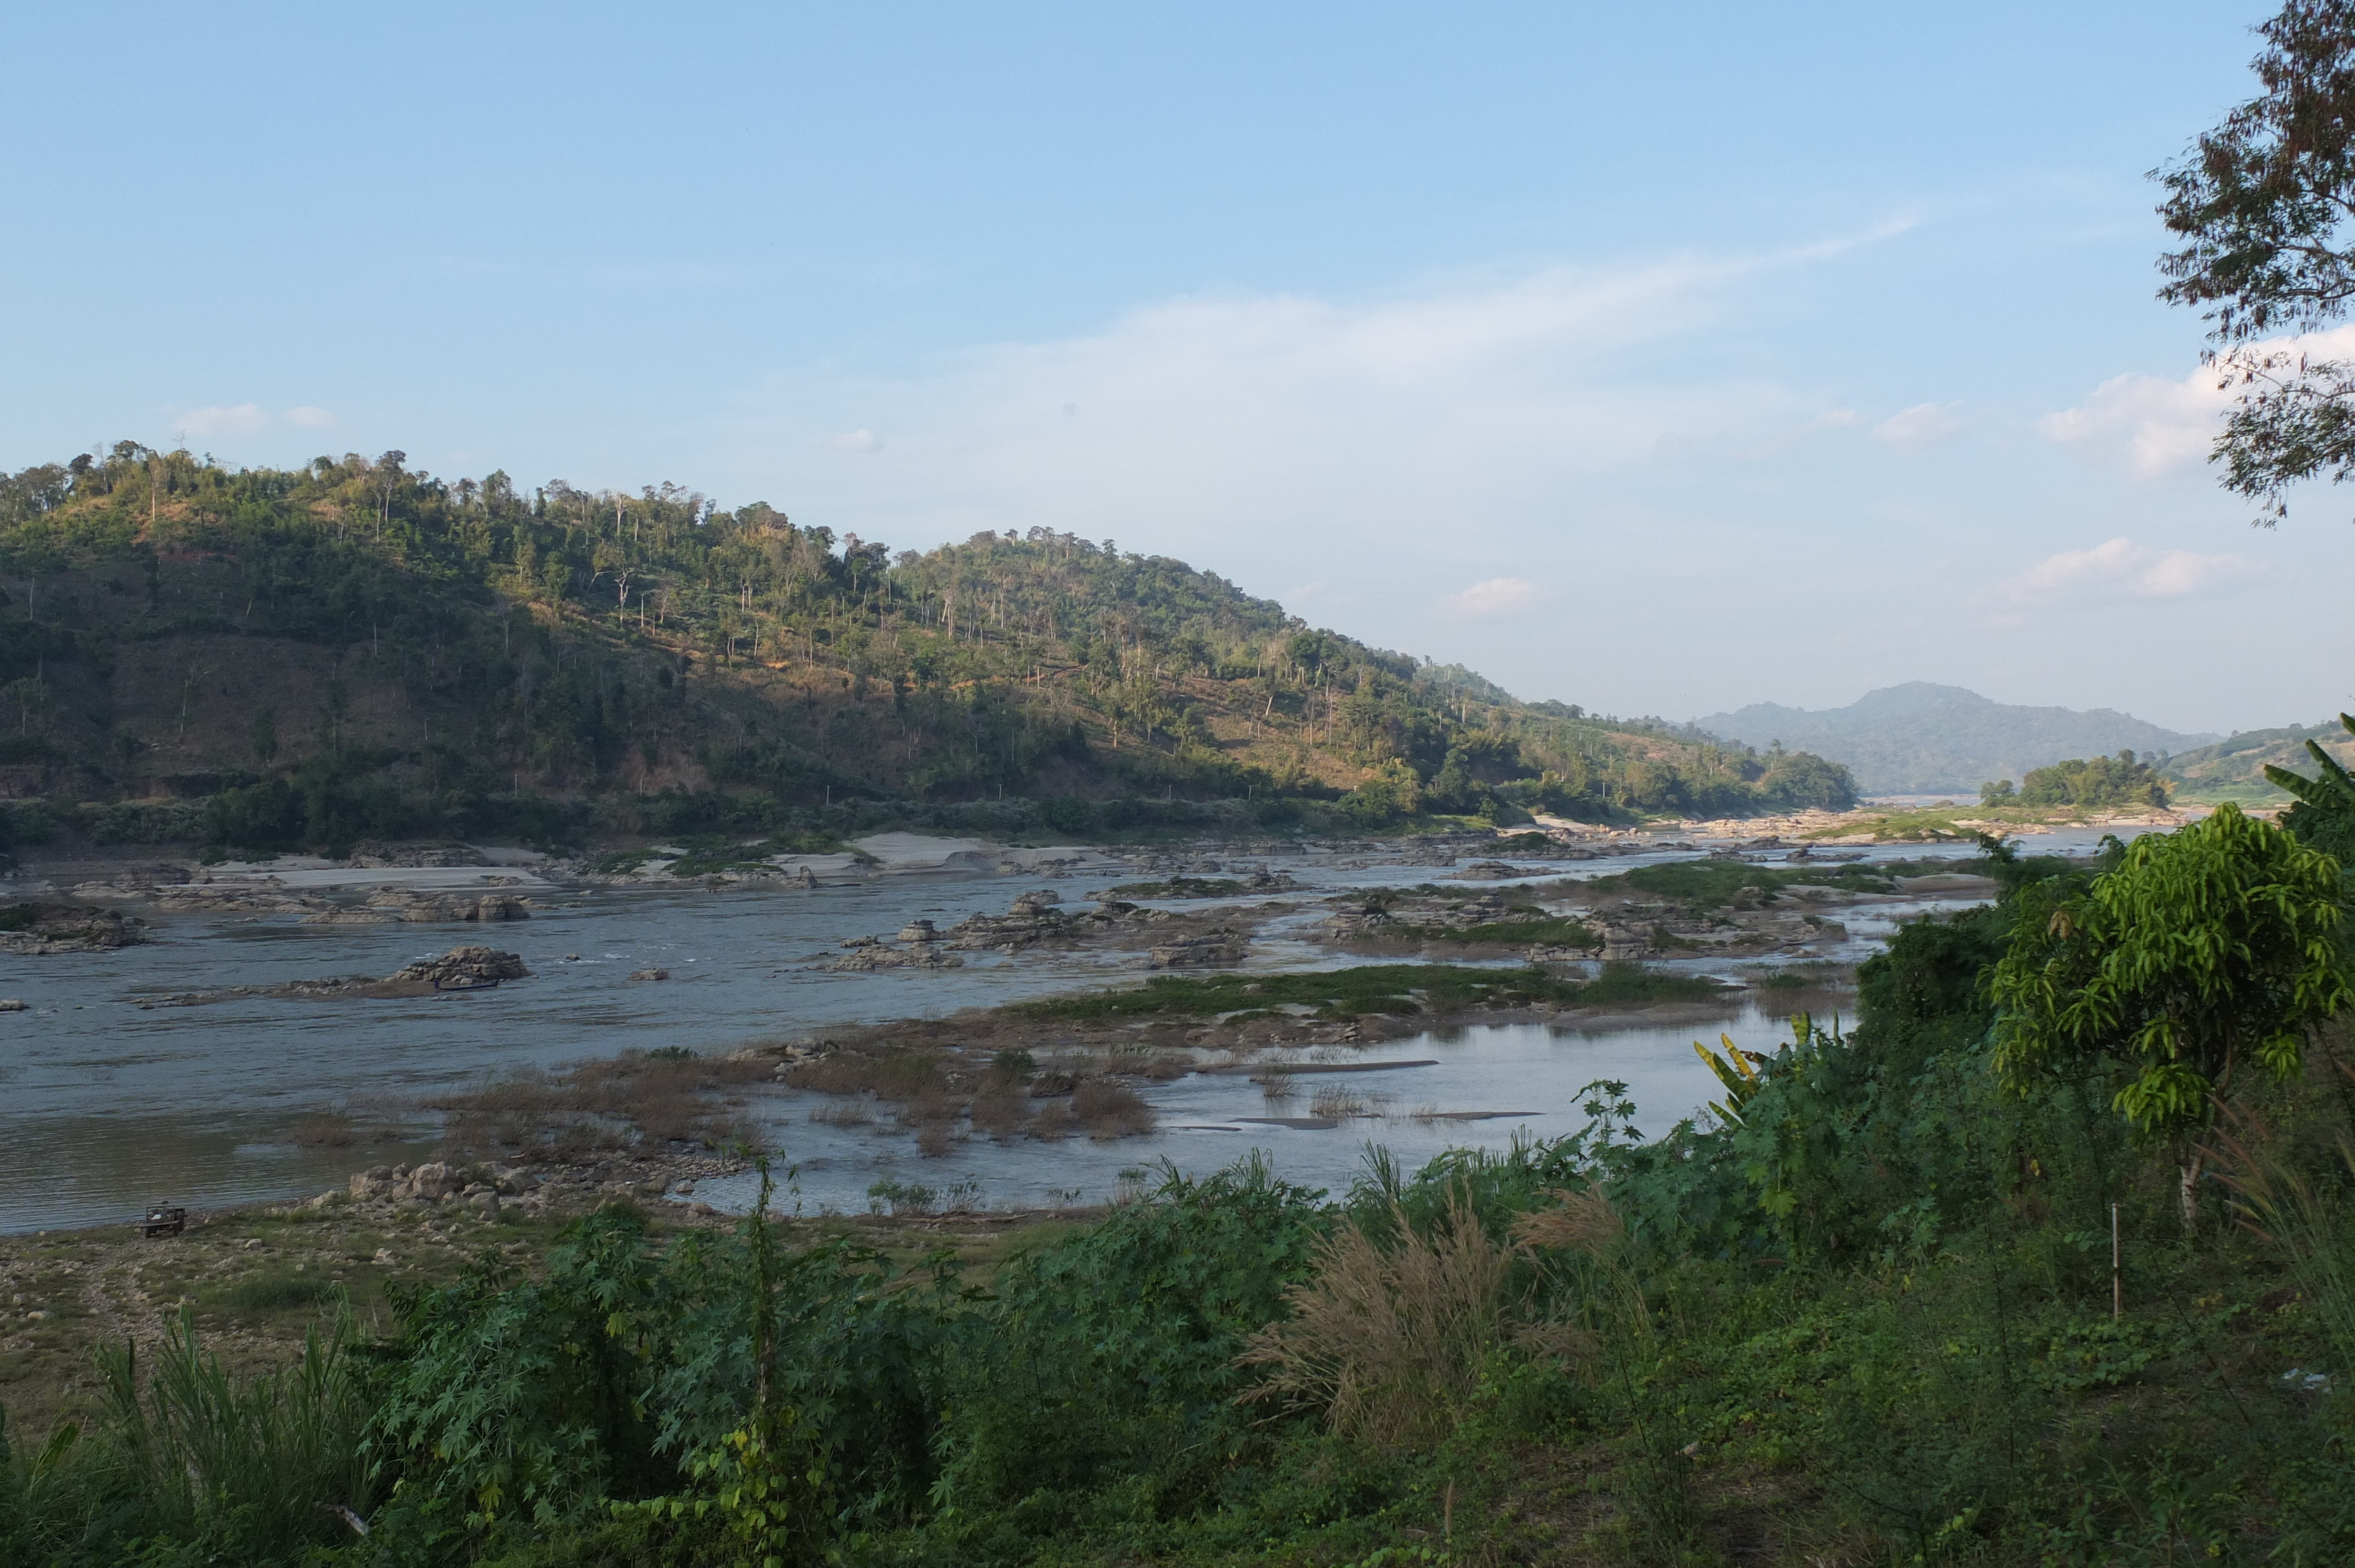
[1388,1340]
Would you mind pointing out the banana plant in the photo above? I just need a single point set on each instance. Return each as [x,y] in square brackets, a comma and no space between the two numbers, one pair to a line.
[2332,791]
[1738,1070]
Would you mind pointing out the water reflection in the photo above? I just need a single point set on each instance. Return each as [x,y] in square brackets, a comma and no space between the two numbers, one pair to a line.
[1530,1070]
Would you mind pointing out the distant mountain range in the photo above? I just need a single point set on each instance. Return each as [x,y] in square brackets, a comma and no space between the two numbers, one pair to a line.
[1925,739]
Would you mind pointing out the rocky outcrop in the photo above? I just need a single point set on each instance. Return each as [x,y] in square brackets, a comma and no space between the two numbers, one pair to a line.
[871,956]
[1032,921]
[462,965]
[459,969]
[432,908]
[234,898]
[34,929]
[1493,870]
[1212,948]
[435,1182]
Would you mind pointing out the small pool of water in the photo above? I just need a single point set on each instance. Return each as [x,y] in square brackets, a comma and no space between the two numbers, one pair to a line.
[1533,1071]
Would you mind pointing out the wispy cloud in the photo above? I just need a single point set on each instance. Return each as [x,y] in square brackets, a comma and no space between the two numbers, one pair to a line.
[238,419]
[1495,599]
[856,441]
[1241,427]
[242,420]
[2155,427]
[1922,425]
[2121,569]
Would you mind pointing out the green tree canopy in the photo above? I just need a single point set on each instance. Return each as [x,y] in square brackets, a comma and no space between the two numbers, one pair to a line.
[2095,781]
[2204,946]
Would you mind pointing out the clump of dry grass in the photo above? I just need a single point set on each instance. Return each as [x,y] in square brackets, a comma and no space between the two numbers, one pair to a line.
[937,1139]
[1278,1088]
[853,1113]
[1389,1340]
[1110,1109]
[933,1111]
[328,1130]
[999,1109]
[1579,1222]
[892,1075]
[1051,1120]
[664,1095]
[1166,1068]
[1337,1101]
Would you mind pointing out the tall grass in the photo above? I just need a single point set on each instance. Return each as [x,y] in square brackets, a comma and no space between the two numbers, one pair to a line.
[1389,1340]
[258,1468]
[2306,1225]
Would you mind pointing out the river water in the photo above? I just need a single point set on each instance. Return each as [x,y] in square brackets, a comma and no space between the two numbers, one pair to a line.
[105,1105]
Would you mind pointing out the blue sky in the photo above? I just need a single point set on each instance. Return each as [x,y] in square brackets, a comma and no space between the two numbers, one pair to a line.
[1662,360]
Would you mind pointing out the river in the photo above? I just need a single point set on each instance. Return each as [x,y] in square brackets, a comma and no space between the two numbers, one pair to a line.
[107,1104]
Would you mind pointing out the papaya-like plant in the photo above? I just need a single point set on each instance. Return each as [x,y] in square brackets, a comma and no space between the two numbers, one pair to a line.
[2206,952]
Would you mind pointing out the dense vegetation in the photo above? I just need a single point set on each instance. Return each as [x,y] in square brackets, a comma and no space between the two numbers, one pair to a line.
[2237,768]
[2324,810]
[360,650]
[2094,784]
[1864,1312]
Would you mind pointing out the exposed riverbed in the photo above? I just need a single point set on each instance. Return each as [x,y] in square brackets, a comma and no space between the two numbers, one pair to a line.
[108,1104]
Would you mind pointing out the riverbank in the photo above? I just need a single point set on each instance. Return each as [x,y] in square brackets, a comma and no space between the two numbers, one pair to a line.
[256,1280]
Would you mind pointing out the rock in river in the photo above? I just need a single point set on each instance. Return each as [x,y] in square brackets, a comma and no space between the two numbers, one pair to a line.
[34,929]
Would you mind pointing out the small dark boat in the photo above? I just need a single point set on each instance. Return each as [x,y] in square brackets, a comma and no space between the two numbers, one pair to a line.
[468,982]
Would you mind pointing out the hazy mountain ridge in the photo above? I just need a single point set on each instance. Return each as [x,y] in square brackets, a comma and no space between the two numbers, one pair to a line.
[2234,769]
[1924,739]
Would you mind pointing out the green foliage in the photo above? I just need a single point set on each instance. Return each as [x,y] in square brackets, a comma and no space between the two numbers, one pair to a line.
[248,1470]
[2205,947]
[2324,815]
[1108,1360]
[2104,782]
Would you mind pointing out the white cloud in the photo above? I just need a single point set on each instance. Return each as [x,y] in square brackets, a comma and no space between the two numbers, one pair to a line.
[1266,430]
[1495,599]
[856,441]
[310,418]
[241,419]
[2156,427]
[1922,425]
[2121,569]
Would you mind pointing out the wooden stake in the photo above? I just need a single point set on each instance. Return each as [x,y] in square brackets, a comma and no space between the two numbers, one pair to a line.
[2118,1277]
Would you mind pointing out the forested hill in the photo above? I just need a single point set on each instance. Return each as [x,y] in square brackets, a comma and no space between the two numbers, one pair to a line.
[361,648]
[2234,769]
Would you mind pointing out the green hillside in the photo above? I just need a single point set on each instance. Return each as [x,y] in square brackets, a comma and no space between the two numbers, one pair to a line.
[2234,769]
[358,648]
